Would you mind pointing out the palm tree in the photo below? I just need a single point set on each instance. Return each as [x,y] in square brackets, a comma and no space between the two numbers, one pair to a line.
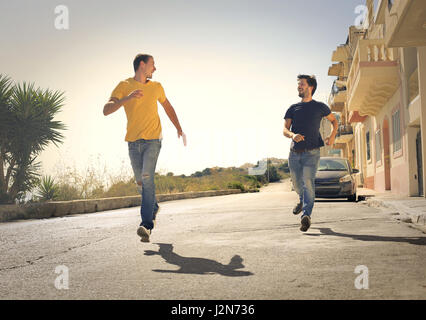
[26,129]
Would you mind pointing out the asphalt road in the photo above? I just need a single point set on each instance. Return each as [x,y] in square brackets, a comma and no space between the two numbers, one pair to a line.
[244,246]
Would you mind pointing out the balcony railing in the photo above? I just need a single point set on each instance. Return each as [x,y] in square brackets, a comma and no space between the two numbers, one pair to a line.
[369,51]
[373,77]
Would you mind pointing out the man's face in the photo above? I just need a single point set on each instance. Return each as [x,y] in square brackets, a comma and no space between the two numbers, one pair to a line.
[148,68]
[303,88]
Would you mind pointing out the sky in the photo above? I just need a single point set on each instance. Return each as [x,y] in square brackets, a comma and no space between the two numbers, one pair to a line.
[229,68]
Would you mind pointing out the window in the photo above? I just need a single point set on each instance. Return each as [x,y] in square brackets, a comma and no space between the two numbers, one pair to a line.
[378,146]
[396,124]
[390,4]
[367,139]
[333,165]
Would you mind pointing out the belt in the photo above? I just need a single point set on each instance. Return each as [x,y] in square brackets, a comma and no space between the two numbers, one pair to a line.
[302,150]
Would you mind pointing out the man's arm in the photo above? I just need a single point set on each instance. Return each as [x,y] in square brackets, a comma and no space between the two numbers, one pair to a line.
[330,139]
[114,103]
[294,136]
[170,111]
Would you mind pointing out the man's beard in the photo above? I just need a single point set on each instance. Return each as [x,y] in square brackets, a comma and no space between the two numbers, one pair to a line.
[301,94]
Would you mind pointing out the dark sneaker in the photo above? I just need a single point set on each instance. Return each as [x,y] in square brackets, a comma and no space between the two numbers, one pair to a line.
[298,208]
[144,233]
[306,223]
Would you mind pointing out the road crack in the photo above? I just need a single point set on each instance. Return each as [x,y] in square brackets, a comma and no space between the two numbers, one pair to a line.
[32,262]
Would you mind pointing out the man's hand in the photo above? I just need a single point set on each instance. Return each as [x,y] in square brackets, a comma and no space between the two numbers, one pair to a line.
[114,104]
[183,135]
[298,137]
[294,136]
[330,140]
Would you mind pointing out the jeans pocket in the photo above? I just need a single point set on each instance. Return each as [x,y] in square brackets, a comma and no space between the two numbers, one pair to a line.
[131,145]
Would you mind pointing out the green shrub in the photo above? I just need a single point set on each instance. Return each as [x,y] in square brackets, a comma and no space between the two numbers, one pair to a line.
[47,189]
[236,185]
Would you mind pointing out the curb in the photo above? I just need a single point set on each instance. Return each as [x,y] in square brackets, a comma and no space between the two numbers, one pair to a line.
[398,211]
[62,208]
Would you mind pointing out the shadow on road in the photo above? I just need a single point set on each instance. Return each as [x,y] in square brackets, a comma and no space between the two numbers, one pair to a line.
[190,265]
[420,241]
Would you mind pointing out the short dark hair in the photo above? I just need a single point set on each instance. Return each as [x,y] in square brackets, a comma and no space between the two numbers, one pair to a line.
[311,80]
[140,57]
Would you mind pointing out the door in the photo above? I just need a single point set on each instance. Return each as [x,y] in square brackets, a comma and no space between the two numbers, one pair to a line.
[419,163]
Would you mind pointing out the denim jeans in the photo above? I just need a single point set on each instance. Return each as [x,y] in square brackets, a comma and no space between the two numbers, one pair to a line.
[303,168]
[143,157]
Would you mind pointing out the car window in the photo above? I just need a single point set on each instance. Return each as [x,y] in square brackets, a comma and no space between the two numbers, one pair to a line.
[332,165]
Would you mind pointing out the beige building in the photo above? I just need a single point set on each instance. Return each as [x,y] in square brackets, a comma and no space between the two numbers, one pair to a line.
[380,96]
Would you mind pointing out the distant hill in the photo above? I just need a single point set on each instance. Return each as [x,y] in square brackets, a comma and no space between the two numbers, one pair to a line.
[276,161]
[273,161]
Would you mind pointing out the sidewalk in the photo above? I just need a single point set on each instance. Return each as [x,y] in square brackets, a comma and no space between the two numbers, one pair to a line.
[403,208]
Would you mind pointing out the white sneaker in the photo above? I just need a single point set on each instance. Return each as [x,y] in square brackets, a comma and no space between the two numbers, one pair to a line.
[144,233]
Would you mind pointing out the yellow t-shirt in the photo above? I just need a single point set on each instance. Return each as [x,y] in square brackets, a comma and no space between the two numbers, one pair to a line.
[143,121]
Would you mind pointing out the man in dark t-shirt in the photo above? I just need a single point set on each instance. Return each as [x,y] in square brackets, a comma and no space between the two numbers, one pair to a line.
[302,123]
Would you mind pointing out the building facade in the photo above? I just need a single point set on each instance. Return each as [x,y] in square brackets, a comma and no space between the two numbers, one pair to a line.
[380,97]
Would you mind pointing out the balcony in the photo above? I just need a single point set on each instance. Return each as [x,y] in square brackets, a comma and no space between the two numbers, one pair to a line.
[373,77]
[341,54]
[405,22]
[355,117]
[337,98]
[344,134]
[335,69]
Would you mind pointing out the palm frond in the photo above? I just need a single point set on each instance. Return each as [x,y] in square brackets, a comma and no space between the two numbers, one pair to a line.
[48,190]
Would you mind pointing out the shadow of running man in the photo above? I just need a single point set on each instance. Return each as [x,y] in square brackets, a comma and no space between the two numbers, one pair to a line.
[420,241]
[190,265]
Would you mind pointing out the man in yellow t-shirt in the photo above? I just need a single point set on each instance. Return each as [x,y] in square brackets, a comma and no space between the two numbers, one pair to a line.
[139,96]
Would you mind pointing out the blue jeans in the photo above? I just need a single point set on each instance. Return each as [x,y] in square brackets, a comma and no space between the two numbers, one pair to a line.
[303,168]
[143,157]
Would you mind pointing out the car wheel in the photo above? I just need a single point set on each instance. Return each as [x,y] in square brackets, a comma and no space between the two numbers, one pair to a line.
[352,198]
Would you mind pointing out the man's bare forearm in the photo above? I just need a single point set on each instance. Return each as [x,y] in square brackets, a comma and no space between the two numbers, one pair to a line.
[174,119]
[288,133]
[111,106]
[335,127]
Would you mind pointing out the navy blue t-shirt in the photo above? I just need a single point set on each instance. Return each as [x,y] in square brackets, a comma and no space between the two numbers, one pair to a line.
[306,120]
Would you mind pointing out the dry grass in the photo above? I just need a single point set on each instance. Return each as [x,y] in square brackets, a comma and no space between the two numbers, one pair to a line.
[96,181]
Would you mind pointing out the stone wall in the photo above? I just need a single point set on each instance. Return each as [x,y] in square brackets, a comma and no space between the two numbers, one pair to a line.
[63,208]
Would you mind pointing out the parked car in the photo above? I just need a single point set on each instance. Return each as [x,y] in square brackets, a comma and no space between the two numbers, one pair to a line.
[335,178]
